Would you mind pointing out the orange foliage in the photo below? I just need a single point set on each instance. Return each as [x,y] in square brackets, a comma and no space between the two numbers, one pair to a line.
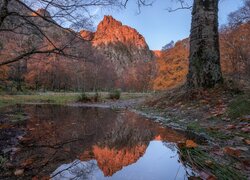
[172,64]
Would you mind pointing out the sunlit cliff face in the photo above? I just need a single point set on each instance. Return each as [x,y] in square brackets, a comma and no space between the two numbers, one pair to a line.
[125,48]
[110,30]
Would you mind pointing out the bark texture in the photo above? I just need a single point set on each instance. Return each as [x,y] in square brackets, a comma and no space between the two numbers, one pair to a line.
[204,58]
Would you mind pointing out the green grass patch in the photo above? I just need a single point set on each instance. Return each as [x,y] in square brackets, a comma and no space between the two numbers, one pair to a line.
[52,98]
[60,98]
[17,117]
[195,126]
[239,107]
[3,160]
[217,134]
[199,158]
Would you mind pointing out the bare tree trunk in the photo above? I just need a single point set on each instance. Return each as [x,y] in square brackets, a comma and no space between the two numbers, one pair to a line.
[204,58]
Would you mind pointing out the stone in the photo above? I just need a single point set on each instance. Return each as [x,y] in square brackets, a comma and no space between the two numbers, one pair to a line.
[19,172]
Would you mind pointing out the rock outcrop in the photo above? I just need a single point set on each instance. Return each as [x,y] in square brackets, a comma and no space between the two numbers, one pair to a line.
[119,43]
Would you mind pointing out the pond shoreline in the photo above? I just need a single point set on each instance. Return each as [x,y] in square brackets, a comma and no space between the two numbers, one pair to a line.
[137,105]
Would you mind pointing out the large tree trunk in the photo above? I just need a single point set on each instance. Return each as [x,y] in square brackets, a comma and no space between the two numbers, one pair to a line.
[204,58]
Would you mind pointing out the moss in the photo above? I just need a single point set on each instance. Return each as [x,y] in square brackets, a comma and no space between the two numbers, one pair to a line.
[195,126]
[239,107]
[17,117]
[219,135]
[3,160]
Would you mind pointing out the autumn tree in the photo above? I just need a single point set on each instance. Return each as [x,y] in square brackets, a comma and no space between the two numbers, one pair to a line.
[235,47]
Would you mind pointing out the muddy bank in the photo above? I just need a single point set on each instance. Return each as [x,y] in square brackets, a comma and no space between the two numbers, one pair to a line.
[219,115]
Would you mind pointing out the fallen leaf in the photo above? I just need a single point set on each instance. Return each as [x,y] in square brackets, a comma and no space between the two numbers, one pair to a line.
[209,163]
[27,162]
[191,144]
[232,151]
[231,126]
[245,129]
[246,118]
[204,175]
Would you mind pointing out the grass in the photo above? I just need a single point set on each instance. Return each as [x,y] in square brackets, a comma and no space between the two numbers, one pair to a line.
[116,94]
[204,162]
[3,160]
[58,98]
[239,107]
[195,126]
[17,117]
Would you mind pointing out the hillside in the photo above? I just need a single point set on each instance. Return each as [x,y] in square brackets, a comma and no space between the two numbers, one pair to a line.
[172,64]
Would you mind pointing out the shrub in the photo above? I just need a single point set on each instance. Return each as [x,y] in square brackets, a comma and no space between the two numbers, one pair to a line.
[83,97]
[239,107]
[96,97]
[116,94]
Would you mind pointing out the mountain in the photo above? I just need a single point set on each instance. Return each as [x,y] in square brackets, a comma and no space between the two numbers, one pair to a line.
[126,49]
[115,56]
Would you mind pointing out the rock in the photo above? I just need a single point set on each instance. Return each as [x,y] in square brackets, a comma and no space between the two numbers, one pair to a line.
[247,141]
[87,35]
[19,172]
[8,165]
[242,148]
[120,44]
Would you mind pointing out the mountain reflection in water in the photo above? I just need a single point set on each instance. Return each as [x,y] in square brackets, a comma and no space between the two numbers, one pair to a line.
[158,162]
[96,143]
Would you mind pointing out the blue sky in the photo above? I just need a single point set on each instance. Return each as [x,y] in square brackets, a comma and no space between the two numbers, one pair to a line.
[158,26]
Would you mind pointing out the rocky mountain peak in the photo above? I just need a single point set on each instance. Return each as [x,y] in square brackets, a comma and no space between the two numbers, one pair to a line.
[122,45]
[111,31]
[108,22]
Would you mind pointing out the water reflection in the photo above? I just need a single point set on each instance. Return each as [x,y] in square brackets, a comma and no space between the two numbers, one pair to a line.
[158,162]
[90,143]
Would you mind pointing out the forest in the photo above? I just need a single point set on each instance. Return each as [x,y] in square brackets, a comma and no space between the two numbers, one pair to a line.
[85,95]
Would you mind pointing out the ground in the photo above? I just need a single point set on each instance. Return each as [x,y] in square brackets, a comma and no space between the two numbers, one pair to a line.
[221,116]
